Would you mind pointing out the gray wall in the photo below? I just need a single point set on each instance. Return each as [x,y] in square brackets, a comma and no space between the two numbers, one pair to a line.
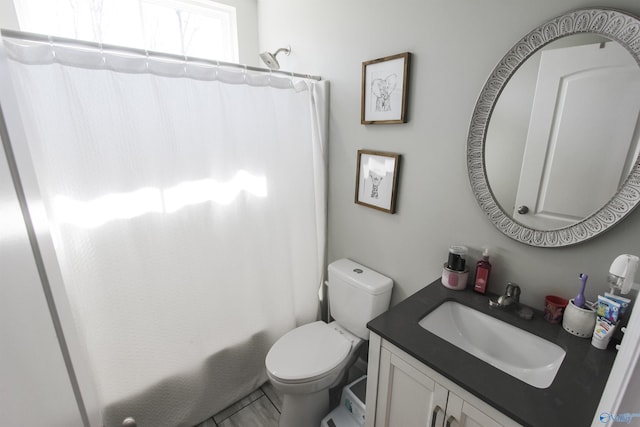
[455,45]
[247,19]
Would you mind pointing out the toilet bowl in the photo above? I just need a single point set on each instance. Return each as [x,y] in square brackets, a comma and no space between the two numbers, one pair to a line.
[309,360]
[304,364]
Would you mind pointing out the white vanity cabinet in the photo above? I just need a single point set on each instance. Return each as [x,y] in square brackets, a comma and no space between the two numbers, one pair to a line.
[403,392]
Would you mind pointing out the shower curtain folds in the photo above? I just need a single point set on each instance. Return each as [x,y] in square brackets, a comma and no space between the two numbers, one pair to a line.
[187,204]
[55,42]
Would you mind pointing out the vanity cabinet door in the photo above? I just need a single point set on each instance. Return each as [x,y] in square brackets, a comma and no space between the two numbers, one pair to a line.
[462,414]
[406,396]
[403,392]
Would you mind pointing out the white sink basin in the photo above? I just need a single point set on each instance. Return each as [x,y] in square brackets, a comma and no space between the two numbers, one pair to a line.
[514,351]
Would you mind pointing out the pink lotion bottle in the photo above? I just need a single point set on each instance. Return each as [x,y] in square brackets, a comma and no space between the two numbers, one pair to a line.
[483,268]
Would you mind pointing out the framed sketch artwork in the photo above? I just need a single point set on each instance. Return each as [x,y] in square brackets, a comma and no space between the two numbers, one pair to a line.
[376,180]
[384,89]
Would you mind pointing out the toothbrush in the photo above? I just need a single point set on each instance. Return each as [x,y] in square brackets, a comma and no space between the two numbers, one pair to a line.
[578,301]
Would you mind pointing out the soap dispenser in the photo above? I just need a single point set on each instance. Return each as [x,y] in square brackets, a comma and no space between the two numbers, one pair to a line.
[483,268]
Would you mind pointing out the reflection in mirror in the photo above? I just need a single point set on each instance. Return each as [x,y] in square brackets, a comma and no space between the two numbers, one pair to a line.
[563,135]
[553,151]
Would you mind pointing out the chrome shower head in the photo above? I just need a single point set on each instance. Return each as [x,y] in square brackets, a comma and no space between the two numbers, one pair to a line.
[270,58]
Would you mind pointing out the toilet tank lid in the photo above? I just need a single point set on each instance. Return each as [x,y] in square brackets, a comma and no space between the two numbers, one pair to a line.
[360,276]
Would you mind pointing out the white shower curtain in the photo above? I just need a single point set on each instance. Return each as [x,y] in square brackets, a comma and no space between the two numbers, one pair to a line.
[187,207]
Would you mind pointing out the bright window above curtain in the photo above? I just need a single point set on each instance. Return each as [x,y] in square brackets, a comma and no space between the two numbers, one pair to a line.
[198,28]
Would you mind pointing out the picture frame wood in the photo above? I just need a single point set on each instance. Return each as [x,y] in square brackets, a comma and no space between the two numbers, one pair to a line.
[384,89]
[377,180]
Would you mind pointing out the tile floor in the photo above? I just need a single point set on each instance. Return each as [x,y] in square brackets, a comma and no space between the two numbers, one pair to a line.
[260,408]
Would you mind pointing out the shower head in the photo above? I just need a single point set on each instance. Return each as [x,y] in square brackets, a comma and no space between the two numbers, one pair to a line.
[270,58]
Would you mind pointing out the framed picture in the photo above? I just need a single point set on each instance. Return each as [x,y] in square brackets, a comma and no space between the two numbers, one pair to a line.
[377,180]
[384,89]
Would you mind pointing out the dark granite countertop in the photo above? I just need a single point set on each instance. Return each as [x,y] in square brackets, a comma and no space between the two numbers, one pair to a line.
[572,398]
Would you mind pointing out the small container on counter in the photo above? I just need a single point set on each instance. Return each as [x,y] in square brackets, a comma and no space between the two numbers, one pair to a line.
[554,307]
[455,272]
[579,321]
[453,279]
[483,268]
[457,258]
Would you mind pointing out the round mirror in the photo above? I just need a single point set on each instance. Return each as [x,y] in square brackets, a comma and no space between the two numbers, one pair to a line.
[553,153]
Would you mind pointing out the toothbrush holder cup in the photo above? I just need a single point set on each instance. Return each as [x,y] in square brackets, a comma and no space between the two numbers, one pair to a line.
[579,321]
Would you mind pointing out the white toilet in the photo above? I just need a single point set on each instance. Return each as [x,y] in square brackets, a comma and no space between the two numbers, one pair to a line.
[307,361]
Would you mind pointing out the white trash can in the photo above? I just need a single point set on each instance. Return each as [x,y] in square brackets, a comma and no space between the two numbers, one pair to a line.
[350,412]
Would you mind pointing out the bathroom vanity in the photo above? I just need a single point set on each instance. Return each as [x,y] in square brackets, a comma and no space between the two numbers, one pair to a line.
[416,378]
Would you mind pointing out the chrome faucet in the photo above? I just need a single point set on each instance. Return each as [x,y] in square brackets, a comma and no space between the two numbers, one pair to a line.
[511,296]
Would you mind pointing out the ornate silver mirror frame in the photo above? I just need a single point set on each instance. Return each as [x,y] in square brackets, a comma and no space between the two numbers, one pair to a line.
[616,25]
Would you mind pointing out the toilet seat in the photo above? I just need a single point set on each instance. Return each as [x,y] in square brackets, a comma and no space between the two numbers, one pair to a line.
[307,353]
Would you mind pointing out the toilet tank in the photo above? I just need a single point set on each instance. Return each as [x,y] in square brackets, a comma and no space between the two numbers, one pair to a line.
[357,294]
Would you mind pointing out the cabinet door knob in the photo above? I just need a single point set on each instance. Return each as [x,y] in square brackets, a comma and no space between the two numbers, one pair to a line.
[129,422]
[450,420]
[522,210]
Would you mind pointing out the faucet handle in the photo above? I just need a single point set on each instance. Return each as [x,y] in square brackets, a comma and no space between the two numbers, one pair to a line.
[513,291]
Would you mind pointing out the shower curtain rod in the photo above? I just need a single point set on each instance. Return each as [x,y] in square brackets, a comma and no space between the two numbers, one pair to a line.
[109,47]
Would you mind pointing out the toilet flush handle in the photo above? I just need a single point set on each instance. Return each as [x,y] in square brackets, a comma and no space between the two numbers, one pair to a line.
[129,422]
